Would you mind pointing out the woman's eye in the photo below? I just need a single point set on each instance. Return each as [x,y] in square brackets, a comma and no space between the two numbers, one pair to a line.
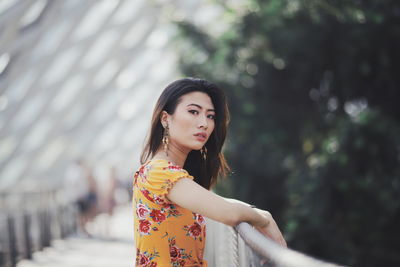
[211,117]
[193,111]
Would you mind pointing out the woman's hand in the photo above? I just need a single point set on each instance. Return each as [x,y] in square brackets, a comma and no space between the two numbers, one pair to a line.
[271,230]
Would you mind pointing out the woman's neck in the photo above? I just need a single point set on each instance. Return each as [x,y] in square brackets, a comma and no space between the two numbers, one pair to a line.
[175,155]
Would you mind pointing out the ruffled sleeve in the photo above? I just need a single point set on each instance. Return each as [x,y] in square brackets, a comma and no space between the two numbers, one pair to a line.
[160,178]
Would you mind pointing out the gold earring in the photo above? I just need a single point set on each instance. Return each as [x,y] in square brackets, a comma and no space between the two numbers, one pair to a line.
[165,139]
[203,152]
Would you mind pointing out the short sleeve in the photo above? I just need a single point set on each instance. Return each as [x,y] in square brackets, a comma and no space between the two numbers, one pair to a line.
[160,178]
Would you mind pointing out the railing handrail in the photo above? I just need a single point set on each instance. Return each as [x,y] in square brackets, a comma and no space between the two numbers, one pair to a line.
[281,256]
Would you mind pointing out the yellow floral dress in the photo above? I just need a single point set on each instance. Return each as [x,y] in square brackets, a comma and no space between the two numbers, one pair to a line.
[165,234]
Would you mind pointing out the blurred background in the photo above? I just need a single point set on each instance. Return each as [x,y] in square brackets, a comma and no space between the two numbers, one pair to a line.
[313,91]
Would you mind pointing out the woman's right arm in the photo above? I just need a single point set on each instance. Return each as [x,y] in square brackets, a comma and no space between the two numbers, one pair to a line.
[189,195]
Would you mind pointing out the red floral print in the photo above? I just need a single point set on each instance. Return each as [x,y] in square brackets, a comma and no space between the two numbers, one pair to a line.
[146,258]
[174,252]
[159,244]
[157,216]
[142,211]
[159,200]
[200,219]
[146,193]
[143,260]
[195,229]
[174,168]
[144,226]
[178,256]
[141,170]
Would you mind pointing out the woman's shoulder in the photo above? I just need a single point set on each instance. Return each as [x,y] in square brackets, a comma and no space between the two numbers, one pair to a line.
[159,173]
[154,166]
[164,165]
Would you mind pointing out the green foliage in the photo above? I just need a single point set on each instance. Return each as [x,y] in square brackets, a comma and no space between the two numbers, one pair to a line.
[315,132]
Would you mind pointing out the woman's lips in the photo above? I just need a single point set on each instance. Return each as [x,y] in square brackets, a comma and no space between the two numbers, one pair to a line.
[200,138]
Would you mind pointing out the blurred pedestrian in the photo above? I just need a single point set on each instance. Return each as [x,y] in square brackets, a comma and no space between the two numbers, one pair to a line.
[81,190]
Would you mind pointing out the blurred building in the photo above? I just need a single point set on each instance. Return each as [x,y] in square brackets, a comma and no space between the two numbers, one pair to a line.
[80,79]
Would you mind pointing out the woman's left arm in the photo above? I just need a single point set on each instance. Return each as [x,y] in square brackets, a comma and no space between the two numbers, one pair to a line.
[232,200]
[192,196]
[267,231]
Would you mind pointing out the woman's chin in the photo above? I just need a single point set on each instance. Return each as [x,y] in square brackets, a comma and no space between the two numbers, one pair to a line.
[197,147]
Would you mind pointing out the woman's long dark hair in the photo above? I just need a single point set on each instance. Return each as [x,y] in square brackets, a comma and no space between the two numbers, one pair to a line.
[205,172]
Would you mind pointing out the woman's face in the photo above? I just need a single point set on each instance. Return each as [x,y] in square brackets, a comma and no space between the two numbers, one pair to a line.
[193,115]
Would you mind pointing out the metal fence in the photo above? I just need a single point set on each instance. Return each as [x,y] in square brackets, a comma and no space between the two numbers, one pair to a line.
[30,220]
[244,246]
[28,223]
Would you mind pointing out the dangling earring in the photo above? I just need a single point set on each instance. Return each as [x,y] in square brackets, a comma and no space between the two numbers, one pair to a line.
[203,152]
[165,139]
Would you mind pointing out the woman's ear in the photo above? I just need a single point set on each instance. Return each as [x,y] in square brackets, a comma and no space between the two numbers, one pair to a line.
[164,118]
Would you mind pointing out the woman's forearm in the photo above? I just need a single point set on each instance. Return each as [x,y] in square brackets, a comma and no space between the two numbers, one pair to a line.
[232,200]
[261,219]
[245,213]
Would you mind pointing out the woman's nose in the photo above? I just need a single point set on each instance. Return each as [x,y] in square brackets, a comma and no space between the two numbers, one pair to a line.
[203,122]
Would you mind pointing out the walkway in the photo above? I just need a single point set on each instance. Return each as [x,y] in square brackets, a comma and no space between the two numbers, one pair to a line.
[114,249]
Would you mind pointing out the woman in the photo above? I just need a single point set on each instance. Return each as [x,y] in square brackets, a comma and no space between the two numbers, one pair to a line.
[180,163]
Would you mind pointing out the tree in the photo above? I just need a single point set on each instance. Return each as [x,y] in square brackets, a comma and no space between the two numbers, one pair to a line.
[312,87]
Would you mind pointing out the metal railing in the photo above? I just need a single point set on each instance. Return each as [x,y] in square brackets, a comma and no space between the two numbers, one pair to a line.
[29,221]
[277,255]
[244,246]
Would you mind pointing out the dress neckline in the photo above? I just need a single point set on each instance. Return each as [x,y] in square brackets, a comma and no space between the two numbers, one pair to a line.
[168,161]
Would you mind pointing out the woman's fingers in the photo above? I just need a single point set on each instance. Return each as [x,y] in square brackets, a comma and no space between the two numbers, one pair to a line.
[271,230]
[278,234]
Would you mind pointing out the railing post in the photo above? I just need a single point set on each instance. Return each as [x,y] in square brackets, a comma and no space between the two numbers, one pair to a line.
[2,261]
[3,241]
[12,241]
[43,229]
[27,236]
[61,219]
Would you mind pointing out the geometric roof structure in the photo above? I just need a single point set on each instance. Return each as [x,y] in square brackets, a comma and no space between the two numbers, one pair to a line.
[80,79]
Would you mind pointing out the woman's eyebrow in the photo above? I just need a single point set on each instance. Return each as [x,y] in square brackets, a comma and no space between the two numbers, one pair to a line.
[200,107]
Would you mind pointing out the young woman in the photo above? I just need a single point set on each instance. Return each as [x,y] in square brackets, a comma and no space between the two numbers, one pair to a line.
[180,163]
